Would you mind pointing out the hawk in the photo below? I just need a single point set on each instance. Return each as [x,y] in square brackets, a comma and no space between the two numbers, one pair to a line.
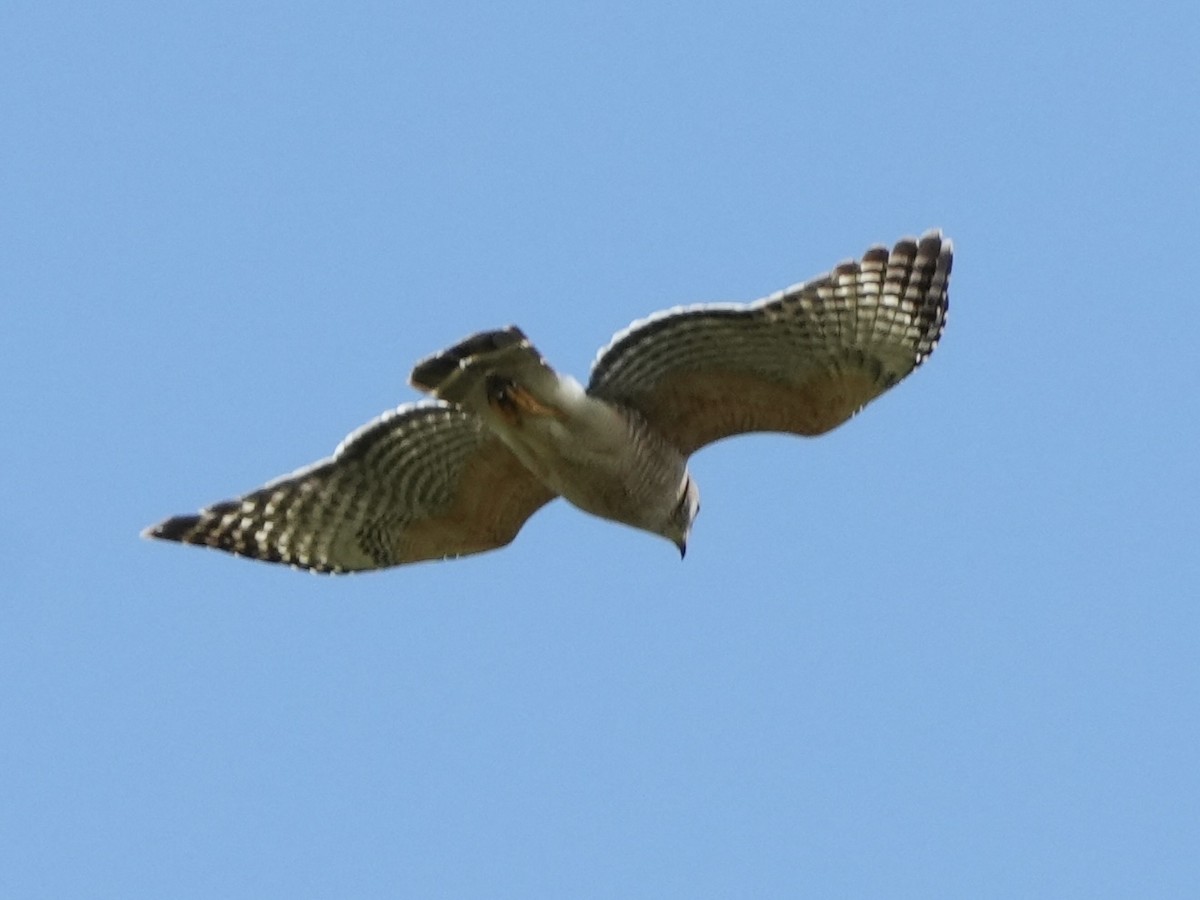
[506,433]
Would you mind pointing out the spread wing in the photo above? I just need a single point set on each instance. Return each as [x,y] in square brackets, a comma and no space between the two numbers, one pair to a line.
[424,481]
[802,361]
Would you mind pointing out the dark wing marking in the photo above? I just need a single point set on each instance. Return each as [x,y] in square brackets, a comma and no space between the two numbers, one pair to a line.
[424,481]
[802,361]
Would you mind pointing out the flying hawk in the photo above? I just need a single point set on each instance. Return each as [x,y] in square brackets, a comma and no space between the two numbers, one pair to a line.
[506,434]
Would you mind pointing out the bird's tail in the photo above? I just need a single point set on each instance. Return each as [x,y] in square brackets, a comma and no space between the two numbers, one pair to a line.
[475,369]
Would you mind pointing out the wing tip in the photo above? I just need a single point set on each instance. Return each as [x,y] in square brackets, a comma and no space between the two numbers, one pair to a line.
[935,242]
[175,528]
[932,241]
[932,244]
[182,530]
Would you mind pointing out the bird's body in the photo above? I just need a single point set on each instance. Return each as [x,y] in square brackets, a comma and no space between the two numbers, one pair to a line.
[507,433]
[604,459]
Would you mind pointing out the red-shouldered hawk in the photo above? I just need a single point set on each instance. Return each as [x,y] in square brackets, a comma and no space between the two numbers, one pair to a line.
[506,434]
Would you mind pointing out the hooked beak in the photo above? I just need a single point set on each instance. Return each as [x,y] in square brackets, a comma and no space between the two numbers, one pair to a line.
[682,545]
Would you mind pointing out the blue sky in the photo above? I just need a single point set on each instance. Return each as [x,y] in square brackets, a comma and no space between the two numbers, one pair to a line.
[950,650]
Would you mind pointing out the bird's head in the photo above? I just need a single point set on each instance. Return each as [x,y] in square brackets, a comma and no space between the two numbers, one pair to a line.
[679,523]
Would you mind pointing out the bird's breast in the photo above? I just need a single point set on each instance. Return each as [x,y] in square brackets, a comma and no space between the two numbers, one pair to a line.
[600,458]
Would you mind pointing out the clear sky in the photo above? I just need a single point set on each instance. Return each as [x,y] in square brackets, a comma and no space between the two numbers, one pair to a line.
[950,650]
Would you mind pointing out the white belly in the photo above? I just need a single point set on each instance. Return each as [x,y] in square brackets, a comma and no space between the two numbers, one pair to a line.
[592,457]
